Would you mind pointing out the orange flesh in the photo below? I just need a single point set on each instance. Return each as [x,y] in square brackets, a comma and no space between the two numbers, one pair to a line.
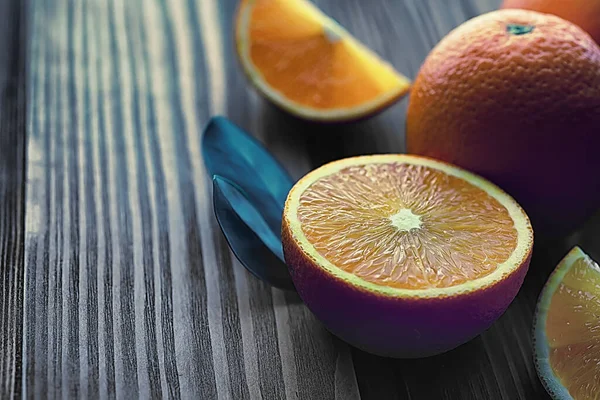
[573,330]
[457,233]
[307,62]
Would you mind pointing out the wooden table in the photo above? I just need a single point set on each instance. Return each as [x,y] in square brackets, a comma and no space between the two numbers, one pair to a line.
[117,281]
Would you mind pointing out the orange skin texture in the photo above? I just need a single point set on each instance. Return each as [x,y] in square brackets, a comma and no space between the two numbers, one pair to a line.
[521,110]
[397,327]
[585,13]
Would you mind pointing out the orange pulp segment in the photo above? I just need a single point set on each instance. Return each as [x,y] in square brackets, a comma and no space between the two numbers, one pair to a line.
[407,222]
[307,63]
[573,329]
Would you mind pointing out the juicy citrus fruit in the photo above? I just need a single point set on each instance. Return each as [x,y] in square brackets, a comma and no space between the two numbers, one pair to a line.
[404,256]
[304,62]
[514,96]
[585,13]
[567,329]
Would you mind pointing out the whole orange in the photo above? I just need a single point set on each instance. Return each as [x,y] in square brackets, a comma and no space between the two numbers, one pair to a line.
[514,96]
[585,13]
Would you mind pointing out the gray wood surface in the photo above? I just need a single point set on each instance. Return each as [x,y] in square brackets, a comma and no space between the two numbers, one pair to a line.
[12,195]
[117,282]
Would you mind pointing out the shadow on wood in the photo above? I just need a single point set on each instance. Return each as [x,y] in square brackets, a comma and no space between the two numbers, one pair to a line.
[329,142]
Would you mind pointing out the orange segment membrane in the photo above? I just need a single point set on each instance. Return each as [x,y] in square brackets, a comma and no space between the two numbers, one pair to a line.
[308,63]
[573,330]
[406,226]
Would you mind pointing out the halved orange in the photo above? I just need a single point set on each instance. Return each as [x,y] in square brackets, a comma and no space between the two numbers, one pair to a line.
[567,329]
[307,64]
[402,255]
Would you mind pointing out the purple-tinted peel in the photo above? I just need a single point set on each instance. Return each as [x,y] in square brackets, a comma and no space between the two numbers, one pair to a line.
[397,327]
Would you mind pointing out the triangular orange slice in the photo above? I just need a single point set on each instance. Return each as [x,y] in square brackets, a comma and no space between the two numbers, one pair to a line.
[307,64]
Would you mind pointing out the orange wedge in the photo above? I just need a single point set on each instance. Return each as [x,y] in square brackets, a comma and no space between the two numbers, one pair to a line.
[404,256]
[567,329]
[307,64]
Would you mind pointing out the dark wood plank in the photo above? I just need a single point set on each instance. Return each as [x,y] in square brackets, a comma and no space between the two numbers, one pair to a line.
[131,289]
[12,195]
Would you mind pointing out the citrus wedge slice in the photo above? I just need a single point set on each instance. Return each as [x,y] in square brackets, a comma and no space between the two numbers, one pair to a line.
[307,64]
[567,329]
[391,250]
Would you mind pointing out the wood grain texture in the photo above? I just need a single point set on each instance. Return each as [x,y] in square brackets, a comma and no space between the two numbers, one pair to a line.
[12,196]
[130,289]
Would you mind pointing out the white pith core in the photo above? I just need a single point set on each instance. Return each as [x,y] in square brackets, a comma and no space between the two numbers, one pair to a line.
[405,220]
